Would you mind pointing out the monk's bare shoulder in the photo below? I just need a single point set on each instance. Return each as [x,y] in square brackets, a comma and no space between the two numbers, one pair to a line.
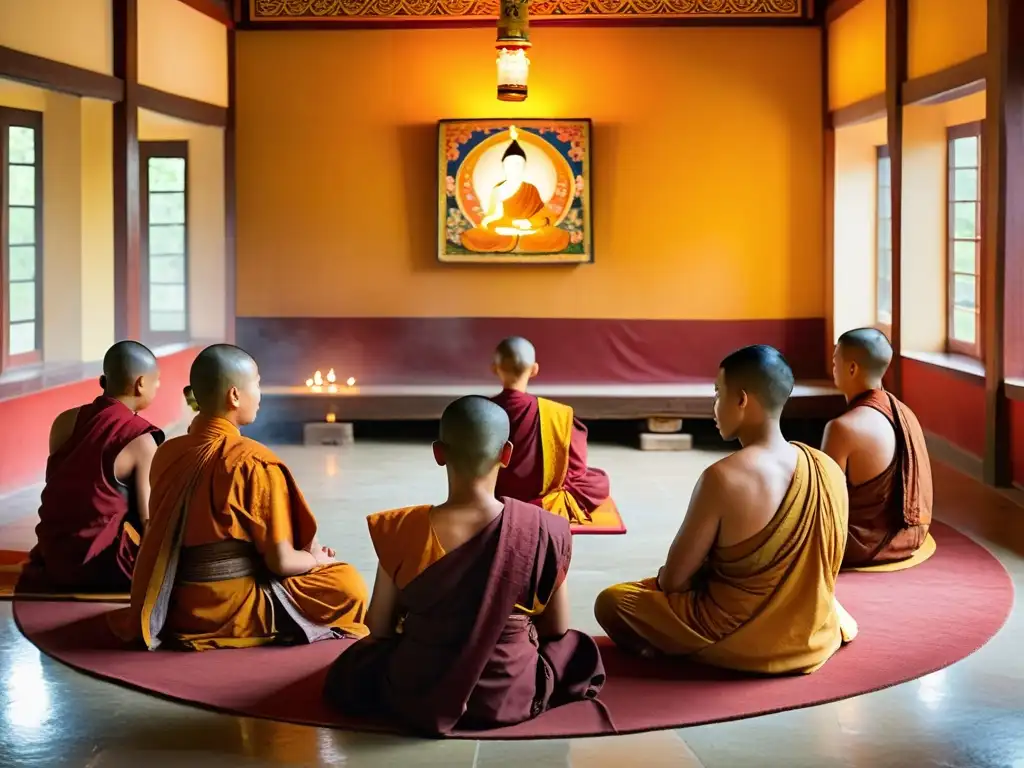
[62,428]
[727,477]
[856,422]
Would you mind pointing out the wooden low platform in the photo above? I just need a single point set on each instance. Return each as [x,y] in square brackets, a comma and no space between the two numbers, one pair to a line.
[811,400]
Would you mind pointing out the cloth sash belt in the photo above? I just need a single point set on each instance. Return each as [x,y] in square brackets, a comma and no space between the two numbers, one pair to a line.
[220,561]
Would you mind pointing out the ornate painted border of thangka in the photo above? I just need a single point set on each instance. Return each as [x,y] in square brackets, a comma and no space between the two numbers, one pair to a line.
[708,11]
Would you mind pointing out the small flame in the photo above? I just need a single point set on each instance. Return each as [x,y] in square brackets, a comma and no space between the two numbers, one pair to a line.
[513,132]
[318,379]
[332,417]
[331,378]
[351,381]
[309,383]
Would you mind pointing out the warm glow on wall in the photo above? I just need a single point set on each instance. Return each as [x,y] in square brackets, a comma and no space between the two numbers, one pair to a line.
[513,41]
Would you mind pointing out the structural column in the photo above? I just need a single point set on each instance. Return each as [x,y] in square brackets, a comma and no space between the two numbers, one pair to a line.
[127,284]
[895,76]
[1003,169]
[230,195]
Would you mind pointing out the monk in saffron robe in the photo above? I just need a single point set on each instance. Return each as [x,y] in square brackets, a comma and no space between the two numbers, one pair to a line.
[96,498]
[549,458]
[880,446]
[469,620]
[749,581]
[518,219]
[231,557]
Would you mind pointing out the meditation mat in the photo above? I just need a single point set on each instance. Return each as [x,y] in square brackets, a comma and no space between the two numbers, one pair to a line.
[924,552]
[11,564]
[911,623]
[604,520]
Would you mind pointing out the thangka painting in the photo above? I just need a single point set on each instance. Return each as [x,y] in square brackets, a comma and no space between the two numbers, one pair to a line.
[514,192]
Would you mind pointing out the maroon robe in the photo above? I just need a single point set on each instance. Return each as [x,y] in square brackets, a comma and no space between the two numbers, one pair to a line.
[523,479]
[82,541]
[891,513]
[462,656]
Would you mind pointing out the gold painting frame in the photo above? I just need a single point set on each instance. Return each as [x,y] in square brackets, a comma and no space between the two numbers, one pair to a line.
[514,191]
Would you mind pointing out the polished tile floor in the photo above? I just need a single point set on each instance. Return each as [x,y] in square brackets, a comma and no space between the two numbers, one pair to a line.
[969,715]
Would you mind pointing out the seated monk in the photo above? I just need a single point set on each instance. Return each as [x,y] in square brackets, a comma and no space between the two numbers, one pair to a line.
[549,461]
[749,581]
[518,219]
[880,446]
[96,498]
[231,557]
[469,620]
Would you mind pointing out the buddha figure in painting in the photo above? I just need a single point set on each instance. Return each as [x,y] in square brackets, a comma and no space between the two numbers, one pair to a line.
[518,219]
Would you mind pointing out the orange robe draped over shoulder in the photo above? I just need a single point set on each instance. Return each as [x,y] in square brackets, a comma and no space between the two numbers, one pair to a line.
[211,487]
[525,204]
[549,461]
[765,605]
[891,513]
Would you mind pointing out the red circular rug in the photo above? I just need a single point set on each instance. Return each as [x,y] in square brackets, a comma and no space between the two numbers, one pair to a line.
[911,623]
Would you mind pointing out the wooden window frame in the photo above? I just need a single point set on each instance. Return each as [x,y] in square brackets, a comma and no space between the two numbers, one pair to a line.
[148,150]
[880,153]
[976,349]
[20,118]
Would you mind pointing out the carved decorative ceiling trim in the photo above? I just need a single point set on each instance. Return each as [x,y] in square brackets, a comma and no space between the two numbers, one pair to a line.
[339,11]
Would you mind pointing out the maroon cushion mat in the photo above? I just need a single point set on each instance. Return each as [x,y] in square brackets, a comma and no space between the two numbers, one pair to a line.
[911,623]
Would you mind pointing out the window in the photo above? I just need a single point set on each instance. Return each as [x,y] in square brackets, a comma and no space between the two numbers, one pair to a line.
[164,170]
[963,282]
[883,240]
[21,236]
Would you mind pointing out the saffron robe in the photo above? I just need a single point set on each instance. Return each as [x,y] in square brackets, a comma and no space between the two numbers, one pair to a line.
[766,604]
[224,495]
[502,236]
[549,459]
[891,513]
[465,652]
[88,531]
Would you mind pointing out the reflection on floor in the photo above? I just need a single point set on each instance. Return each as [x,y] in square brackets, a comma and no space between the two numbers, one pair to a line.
[971,714]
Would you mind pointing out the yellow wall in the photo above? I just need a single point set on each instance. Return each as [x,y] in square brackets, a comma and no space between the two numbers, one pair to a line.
[205,216]
[925,218]
[75,32]
[854,267]
[856,54]
[78,223]
[182,51]
[943,33]
[707,172]
[97,228]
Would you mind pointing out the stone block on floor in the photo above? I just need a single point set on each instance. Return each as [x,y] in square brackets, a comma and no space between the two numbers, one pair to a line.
[662,425]
[677,441]
[327,433]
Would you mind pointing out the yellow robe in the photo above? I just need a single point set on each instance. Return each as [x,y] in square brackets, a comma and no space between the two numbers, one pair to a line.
[213,485]
[556,425]
[764,605]
[526,203]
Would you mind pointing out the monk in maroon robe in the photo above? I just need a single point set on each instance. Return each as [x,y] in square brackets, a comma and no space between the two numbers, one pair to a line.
[549,461]
[96,498]
[881,447]
[469,615]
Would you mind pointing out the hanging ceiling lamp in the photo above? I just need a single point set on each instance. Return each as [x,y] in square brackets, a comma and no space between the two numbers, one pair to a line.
[513,41]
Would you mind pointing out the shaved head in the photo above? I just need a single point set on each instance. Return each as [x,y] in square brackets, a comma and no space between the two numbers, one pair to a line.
[515,355]
[869,348]
[123,365]
[763,373]
[473,432]
[215,371]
